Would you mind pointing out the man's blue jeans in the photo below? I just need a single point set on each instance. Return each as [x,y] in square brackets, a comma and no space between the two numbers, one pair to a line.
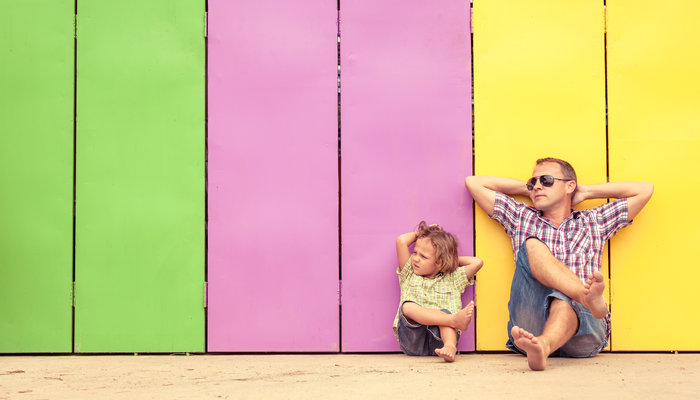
[529,308]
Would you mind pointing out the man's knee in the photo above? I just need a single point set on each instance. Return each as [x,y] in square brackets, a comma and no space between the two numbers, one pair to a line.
[565,315]
[527,253]
[559,306]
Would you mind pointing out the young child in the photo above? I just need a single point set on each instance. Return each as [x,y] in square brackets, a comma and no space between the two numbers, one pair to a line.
[432,279]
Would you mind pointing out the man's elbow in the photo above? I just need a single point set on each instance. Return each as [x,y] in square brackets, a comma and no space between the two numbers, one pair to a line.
[647,190]
[470,183]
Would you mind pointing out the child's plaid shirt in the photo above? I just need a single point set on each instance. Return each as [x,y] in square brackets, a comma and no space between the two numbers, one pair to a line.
[444,291]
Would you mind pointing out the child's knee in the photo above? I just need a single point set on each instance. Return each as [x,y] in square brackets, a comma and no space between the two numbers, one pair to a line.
[407,307]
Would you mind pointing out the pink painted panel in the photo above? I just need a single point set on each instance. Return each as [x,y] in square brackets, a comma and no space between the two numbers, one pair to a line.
[273,176]
[406,148]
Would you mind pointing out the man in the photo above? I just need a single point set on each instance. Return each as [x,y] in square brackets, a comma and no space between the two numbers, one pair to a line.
[556,301]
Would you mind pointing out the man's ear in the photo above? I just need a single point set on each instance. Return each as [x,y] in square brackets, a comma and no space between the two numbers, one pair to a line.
[571,186]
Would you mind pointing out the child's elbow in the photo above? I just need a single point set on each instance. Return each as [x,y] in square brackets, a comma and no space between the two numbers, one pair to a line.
[400,241]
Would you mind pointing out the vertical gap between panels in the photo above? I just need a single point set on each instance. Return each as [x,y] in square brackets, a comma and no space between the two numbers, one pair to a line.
[340,222]
[75,162]
[605,49]
[607,143]
[473,140]
[206,174]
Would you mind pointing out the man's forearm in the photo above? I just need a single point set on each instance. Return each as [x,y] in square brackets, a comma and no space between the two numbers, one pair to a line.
[483,190]
[617,190]
[636,193]
[509,186]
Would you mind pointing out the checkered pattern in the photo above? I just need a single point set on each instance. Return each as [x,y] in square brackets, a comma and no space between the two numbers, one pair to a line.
[578,242]
[444,291]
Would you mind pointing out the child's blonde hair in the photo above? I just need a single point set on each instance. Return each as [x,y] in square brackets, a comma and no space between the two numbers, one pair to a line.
[445,246]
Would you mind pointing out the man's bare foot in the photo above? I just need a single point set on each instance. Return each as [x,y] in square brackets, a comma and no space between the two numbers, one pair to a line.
[535,350]
[593,295]
[447,352]
[463,317]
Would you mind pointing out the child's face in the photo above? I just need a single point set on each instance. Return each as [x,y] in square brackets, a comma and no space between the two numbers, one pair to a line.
[424,260]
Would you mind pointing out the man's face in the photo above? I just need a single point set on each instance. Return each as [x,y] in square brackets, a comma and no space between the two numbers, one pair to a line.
[547,198]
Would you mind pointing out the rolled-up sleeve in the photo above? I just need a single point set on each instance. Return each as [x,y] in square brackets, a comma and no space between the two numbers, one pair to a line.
[611,217]
[507,212]
[405,272]
[461,280]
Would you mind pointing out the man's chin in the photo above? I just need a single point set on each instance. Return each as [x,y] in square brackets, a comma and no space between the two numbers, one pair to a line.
[540,205]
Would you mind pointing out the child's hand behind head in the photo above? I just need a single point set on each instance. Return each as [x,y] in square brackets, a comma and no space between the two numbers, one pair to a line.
[424,229]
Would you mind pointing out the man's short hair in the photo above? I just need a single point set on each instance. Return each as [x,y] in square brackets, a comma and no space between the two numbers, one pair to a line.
[566,169]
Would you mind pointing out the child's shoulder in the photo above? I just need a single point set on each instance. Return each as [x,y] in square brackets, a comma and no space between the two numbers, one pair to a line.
[406,270]
[458,271]
[459,277]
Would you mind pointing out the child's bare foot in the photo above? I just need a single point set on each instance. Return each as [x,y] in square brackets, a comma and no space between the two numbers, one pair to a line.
[593,295]
[536,352]
[463,317]
[447,352]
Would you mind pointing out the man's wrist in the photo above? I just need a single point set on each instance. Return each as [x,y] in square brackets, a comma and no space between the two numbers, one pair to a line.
[524,190]
[583,191]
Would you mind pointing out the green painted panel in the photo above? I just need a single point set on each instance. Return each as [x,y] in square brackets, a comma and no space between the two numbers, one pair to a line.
[36,175]
[140,176]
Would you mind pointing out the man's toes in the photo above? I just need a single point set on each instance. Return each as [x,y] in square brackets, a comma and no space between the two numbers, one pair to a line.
[515,332]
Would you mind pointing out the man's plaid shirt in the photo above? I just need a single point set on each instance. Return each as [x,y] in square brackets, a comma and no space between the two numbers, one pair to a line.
[578,242]
[444,291]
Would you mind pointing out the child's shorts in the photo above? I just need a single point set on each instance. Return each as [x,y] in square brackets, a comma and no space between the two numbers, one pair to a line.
[419,340]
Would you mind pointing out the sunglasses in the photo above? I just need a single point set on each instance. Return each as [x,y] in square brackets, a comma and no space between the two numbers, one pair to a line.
[545,180]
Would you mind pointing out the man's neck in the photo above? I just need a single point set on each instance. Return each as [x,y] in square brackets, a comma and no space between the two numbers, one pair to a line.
[558,215]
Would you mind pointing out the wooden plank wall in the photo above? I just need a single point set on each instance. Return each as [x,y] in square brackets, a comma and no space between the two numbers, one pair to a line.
[281,204]
[539,90]
[654,124]
[406,147]
[273,176]
[139,257]
[36,176]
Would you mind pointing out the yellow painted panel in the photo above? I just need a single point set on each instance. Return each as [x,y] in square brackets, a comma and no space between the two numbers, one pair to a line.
[654,135]
[539,86]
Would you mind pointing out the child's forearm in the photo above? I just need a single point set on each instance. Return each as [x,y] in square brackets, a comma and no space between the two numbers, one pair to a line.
[472,265]
[467,260]
[402,243]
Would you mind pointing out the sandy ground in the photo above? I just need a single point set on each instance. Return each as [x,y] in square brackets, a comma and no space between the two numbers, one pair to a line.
[348,376]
